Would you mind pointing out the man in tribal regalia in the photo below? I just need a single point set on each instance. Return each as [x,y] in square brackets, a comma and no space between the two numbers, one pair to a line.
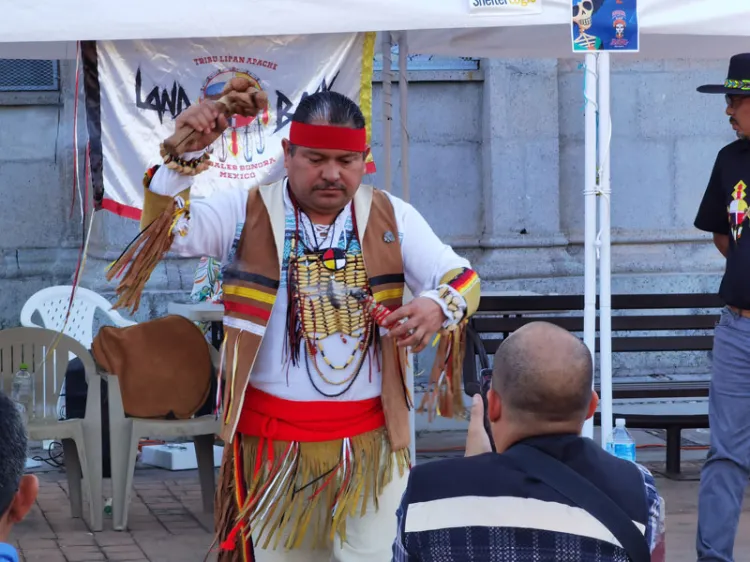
[315,404]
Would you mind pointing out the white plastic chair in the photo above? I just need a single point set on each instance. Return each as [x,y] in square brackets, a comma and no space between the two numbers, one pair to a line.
[126,432]
[81,438]
[52,305]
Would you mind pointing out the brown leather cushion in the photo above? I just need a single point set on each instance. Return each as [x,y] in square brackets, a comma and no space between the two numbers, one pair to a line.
[164,366]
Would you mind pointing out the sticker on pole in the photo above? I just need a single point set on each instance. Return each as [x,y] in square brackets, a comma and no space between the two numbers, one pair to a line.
[505,7]
[605,25]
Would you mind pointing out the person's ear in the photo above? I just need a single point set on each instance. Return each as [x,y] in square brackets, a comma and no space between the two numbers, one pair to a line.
[494,406]
[287,147]
[593,405]
[365,154]
[24,499]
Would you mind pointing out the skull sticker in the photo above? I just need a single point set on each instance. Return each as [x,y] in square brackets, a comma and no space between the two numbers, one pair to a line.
[604,25]
[619,22]
[583,13]
[619,28]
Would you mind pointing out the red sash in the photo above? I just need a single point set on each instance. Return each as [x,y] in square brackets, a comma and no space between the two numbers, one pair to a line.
[276,419]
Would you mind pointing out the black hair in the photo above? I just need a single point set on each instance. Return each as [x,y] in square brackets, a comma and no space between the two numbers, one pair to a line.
[12,451]
[329,107]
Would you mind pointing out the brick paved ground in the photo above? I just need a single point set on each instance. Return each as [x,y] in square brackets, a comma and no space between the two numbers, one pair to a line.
[167,524]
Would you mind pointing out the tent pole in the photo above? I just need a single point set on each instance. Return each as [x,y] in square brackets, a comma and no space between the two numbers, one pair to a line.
[403,105]
[589,300]
[387,77]
[605,270]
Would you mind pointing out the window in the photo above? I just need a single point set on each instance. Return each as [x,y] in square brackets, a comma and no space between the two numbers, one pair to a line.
[22,75]
[428,62]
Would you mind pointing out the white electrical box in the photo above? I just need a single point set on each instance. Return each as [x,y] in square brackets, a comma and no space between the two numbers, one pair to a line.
[176,456]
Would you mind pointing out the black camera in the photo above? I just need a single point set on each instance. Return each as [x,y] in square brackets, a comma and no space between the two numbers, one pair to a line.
[481,383]
[485,381]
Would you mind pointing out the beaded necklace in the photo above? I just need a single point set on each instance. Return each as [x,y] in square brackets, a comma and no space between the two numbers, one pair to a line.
[311,277]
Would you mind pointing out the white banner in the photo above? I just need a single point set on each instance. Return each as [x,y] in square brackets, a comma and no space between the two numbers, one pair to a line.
[505,7]
[135,89]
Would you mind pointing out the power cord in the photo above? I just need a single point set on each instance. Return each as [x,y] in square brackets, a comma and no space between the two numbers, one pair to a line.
[53,458]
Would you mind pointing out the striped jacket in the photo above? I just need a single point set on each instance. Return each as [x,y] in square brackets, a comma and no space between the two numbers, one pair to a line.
[484,508]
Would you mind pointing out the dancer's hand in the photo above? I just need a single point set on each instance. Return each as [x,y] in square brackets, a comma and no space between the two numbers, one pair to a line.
[424,318]
[209,120]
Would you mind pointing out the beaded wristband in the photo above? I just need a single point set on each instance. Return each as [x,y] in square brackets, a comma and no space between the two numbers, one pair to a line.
[452,304]
[185,167]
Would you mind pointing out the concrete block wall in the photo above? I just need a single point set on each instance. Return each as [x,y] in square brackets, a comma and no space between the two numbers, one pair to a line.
[445,154]
[665,139]
[39,235]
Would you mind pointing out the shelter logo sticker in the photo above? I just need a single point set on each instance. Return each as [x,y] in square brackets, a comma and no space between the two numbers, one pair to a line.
[505,7]
[605,25]
[737,210]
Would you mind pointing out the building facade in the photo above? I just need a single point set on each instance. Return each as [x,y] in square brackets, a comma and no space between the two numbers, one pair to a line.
[496,167]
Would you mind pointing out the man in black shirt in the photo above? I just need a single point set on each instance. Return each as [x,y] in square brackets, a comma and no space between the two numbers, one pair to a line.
[724,212]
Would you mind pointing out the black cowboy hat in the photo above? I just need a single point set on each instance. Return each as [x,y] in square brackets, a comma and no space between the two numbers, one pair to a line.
[738,78]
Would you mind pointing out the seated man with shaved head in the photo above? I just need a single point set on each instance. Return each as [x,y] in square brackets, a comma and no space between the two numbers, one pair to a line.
[501,506]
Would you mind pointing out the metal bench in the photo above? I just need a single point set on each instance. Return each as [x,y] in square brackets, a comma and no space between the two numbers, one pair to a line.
[641,323]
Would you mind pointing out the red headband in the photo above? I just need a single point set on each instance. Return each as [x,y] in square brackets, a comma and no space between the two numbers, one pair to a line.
[328,137]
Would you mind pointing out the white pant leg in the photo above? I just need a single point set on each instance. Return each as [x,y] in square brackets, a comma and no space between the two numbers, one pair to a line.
[296,555]
[370,538]
[303,554]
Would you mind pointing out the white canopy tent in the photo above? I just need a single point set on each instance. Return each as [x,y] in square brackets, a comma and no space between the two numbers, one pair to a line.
[669,28]
[49,29]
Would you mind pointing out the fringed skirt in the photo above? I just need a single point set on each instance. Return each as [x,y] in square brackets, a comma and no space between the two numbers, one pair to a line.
[293,495]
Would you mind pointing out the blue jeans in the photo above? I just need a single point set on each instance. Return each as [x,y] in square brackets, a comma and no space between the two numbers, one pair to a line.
[727,469]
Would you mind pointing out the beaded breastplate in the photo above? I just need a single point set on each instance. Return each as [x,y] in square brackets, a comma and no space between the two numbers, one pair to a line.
[319,309]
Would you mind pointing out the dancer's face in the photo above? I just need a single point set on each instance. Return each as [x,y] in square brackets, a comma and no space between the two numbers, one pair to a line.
[323,181]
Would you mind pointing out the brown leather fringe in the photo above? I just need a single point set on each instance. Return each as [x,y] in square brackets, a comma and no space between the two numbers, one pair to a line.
[445,397]
[303,496]
[140,258]
[226,512]
[402,360]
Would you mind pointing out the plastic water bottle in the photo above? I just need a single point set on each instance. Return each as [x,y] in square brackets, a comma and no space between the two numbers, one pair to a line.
[620,443]
[22,392]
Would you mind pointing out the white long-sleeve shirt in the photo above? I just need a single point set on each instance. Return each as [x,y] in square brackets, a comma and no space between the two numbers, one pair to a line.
[214,228]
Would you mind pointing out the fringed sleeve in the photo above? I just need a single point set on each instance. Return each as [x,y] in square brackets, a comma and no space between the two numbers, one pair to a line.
[162,217]
[466,283]
[154,205]
[460,291]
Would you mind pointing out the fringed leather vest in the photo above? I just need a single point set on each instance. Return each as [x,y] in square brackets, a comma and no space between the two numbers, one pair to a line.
[252,281]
